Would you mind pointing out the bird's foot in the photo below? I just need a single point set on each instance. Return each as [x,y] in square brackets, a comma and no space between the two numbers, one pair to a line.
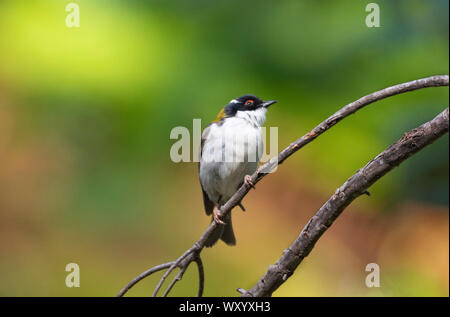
[216,216]
[248,181]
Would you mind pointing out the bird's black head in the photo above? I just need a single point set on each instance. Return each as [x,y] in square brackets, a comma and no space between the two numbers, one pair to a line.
[246,103]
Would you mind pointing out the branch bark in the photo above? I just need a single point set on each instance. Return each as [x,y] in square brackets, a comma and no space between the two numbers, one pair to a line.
[411,142]
[193,254]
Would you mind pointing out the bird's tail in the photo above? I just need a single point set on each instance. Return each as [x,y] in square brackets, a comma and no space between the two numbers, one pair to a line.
[225,233]
[228,233]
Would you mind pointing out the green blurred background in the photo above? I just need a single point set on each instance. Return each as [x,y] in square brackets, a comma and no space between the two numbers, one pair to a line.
[85,118]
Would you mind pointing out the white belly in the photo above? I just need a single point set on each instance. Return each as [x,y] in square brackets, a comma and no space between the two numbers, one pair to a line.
[230,152]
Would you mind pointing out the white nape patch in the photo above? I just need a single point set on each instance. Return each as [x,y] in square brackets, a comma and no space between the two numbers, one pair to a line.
[234,101]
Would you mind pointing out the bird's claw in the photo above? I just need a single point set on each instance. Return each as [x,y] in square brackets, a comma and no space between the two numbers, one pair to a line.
[248,181]
[216,216]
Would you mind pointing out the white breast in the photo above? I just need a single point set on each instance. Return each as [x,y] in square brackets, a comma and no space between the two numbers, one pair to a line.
[232,150]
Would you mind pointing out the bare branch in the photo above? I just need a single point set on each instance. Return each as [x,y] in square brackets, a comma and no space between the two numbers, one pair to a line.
[357,185]
[176,279]
[194,252]
[171,268]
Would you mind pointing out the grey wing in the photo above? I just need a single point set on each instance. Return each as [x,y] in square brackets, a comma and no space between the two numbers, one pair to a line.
[205,134]
[209,205]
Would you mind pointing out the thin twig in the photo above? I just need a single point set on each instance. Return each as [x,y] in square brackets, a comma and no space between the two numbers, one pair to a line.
[176,279]
[241,290]
[144,275]
[201,276]
[170,269]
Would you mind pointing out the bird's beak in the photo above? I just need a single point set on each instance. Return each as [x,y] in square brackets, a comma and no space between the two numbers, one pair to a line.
[266,104]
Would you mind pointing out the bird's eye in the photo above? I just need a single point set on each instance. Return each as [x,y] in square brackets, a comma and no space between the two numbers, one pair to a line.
[248,102]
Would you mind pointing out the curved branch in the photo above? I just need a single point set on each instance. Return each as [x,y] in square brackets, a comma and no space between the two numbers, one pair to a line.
[143,275]
[194,252]
[357,185]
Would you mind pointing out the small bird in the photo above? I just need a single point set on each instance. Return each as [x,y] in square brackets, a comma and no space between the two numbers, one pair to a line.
[231,147]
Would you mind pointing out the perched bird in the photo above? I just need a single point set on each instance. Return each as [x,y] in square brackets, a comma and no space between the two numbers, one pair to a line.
[230,150]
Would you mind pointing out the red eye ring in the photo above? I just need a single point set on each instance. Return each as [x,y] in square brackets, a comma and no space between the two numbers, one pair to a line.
[248,102]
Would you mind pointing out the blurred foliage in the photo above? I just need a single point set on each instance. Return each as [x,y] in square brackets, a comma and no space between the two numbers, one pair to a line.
[85,117]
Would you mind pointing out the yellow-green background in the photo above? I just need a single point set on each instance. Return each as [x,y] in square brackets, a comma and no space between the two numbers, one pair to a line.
[85,118]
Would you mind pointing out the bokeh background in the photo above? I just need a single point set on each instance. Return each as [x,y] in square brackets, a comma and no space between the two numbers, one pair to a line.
[85,118]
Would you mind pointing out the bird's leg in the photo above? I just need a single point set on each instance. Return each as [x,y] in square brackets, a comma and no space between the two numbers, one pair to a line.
[216,216]
[248,181]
